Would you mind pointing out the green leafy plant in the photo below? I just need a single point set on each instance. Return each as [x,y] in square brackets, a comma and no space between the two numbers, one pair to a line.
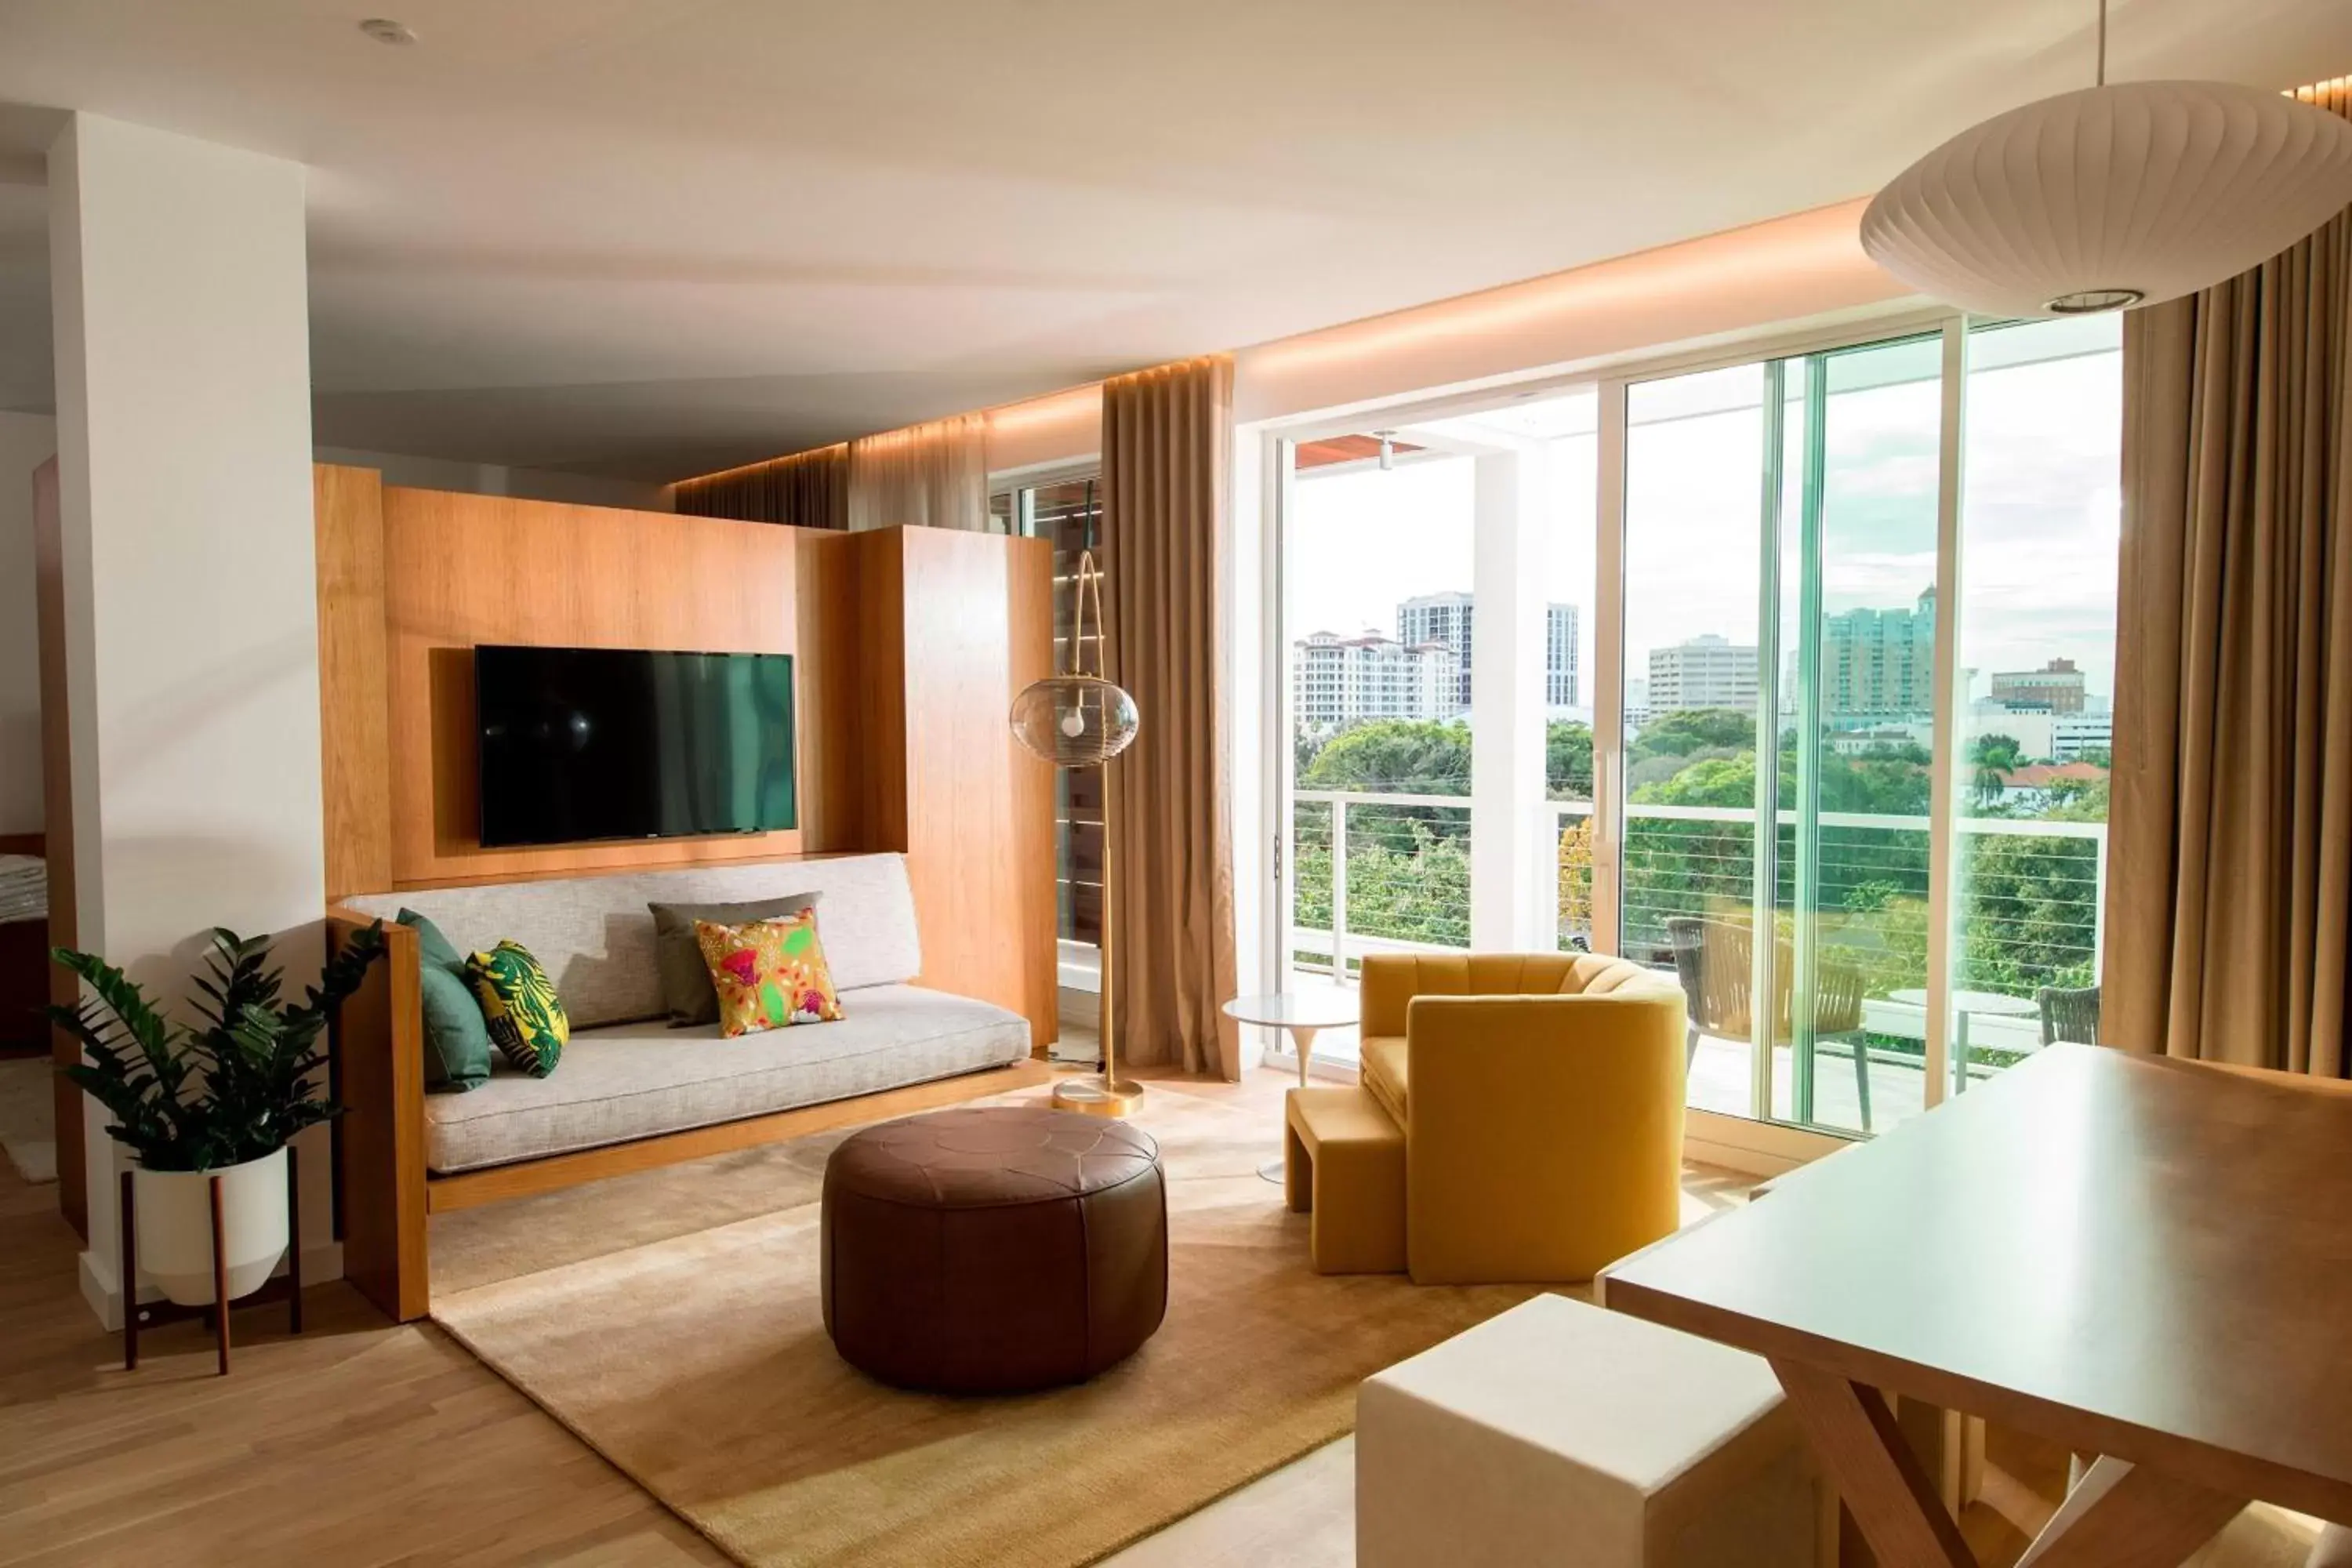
[234,1089]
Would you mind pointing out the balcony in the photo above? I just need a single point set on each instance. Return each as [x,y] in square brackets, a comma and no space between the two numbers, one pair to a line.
[1384,872]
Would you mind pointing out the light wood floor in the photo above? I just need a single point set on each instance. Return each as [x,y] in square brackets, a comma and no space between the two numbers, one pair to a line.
[363,1444]
[358,1444]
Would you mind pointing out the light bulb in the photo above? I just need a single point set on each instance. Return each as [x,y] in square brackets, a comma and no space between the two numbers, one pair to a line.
[1074,723]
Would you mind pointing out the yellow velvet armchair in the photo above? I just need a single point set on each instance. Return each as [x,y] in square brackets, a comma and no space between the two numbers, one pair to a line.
[1541,1100]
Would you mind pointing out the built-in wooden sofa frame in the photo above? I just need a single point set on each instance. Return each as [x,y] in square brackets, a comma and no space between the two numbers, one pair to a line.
[385,1195]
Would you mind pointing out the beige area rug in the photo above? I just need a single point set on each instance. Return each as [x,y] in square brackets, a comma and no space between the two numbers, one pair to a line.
[29,1118]
[671,1319]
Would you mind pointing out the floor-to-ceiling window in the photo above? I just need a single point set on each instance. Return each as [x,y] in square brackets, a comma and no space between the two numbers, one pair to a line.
[1380,614]
[1794,529]
[2038,541]
[1437,574]
[1789,676]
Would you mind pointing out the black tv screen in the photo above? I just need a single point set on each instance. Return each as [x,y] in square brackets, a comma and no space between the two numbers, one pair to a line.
[586,743]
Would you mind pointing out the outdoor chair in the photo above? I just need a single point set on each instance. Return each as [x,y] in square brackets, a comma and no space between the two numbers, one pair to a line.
[1712,959]
[2069,1014]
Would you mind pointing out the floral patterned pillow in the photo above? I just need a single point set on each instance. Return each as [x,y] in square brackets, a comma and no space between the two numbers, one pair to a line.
[768,973]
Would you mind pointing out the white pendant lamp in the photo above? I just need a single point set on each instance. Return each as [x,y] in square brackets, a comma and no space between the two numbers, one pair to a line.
[2111,197]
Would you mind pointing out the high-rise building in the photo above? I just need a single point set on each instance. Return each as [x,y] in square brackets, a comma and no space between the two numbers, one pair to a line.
[1446,619]
[1707,671]
[2055,688]
[1561,672]
[1337,680]
[1879,664]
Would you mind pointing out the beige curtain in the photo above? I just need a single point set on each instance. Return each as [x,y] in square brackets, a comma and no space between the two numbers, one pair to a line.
[807,489]
[1165,437]
[925,475]
[2230,869]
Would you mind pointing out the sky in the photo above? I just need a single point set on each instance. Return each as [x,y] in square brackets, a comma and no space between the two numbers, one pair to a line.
[2039,520]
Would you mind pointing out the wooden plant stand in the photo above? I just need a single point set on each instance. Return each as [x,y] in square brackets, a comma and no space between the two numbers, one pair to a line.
[288,1287]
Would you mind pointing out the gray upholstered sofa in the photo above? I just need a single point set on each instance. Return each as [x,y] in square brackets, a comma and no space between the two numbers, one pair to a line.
[628,1074]
[631,1091]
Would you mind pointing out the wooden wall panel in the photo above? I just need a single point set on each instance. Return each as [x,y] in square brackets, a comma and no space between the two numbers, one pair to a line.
[978,808]
[462,570]
[1036,882]
[909,646]
[57,829]
[354,696]
[885,707]
[834,756]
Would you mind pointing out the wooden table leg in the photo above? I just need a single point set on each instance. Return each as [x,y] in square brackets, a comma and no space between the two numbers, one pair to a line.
[2122,1516]
[1892,1498]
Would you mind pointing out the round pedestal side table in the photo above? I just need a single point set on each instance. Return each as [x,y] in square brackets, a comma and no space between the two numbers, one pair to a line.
[1305,1013]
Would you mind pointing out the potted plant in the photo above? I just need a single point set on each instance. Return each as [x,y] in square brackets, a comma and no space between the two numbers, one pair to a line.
[219,1099]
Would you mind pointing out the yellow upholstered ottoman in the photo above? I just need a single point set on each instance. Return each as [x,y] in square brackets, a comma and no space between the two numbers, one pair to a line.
[1343,1163]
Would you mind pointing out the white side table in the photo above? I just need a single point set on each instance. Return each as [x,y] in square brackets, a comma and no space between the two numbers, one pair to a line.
[1305,1013]
[1992,1004]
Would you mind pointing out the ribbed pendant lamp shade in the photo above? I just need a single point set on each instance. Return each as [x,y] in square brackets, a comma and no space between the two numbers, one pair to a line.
[2127,195]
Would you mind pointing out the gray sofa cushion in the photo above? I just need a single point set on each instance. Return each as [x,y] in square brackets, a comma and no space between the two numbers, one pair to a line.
[635,1080]
[596,939]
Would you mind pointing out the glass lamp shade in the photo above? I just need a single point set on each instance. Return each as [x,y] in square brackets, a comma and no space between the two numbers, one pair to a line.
[1075,720]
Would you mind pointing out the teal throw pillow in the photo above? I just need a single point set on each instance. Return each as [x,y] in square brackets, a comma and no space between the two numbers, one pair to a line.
[457,1036]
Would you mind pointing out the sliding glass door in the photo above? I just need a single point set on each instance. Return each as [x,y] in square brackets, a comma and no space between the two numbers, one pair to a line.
[1795,533]
[1855,645]
[1781,577]
[1789,676]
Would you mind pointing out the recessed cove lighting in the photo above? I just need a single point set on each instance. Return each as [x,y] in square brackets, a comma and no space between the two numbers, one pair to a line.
[384,30]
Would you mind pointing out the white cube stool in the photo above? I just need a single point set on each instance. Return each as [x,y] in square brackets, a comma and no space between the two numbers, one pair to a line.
[1561,1433]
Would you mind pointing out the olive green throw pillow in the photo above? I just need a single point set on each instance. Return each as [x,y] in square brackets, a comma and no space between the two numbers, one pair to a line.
[456,1039]
[526,1016]
[685,988]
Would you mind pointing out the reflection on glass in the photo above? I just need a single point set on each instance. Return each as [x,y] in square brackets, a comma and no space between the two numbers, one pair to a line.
[2037,631]
[1693,516]
[1856,639]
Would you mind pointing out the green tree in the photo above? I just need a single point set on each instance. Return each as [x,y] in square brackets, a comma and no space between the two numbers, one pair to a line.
[1567,760]
[1991,757]
[1688,730]
[1715,781]
[1409,756]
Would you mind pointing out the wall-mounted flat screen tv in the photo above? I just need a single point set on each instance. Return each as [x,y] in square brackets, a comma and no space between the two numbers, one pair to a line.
[590,742]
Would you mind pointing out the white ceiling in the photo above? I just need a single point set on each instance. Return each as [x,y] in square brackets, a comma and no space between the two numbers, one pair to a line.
[655,237]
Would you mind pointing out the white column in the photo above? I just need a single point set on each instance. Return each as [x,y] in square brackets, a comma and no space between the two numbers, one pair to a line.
[179,282]
[1510,865]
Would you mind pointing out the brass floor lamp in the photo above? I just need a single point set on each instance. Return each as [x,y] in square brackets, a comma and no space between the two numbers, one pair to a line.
[1082,721]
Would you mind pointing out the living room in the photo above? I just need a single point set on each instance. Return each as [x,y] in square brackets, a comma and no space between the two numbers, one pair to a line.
[901,786]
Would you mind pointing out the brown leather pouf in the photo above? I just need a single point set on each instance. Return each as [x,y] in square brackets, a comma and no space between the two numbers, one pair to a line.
[993,1250]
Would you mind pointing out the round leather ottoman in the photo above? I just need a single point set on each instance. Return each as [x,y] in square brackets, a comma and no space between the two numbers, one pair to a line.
[993,1250]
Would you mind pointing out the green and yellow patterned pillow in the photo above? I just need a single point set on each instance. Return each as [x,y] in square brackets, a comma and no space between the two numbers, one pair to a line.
[519,1004]
[768,973]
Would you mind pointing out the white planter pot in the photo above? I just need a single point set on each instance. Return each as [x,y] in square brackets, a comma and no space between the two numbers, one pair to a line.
[176,1226]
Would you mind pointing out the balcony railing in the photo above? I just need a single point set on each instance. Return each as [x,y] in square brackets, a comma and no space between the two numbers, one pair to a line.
[1389,872]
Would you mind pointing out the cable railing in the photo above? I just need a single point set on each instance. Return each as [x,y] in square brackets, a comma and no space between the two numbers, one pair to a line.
[1376,872]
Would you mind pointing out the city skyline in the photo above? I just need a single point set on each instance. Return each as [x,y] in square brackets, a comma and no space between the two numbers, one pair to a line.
[1337,679]
[2041,515]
